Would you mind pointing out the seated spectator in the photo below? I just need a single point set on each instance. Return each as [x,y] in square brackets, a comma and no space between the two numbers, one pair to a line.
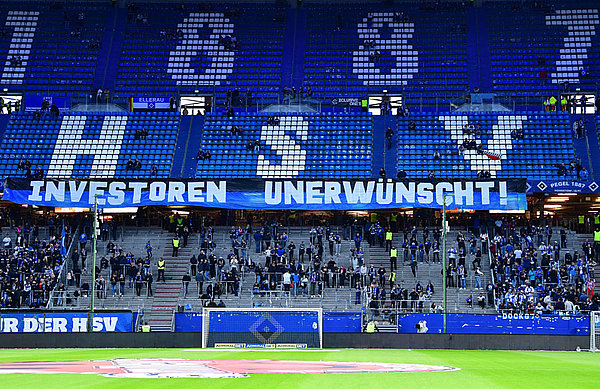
[129,165]
[401,175]
[412,126]
[382,173]
[154,170]
[272,121]
[39,173]
[54,111]
[562,170]
[484,174]
[431,175]
[436,155]
[203,155]
[137,165]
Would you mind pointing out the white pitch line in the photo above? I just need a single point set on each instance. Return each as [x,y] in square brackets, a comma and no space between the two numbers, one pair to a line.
[237,350]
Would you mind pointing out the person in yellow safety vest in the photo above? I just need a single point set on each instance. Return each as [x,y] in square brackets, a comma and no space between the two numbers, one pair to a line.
[292,217]
[597,243]
[161,269]
[394,222]
[172,222]
[146,327]
[563,103]
[180,221]
[175,246]
[393,258]
[364,103]
[547,104]
[373,217]
[580,223]
[370,327]
[597,219]
[392,279]
[552,102]
[388,240]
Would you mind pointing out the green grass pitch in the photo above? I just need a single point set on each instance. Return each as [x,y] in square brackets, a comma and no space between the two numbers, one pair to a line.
[479,369]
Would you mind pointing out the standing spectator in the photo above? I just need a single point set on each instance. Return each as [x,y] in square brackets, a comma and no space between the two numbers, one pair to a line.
[161,269]
[389,135]
[175,246]
[186,283]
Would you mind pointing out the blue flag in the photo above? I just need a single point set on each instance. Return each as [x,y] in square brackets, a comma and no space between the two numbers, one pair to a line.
[63,249]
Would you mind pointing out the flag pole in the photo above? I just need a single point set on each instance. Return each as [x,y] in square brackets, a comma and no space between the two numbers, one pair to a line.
[94,226]
[444,310]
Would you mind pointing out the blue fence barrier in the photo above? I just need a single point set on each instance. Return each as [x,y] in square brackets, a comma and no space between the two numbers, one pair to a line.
[458,323]
[332,322]
[342,322]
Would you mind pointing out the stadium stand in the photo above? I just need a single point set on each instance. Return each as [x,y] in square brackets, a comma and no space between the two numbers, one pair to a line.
[546,143]
[30,263]
[90,144]
[538,271]
[534,52]
[169,50]
[299,145]
[243,56]
[420,60]
[50,49]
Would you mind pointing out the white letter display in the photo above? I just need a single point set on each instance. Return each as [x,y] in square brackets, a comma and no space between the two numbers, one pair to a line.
[24,24]
[396,44]
[196,42]
[581,24]
[293,158]
[501,140]
[70,144]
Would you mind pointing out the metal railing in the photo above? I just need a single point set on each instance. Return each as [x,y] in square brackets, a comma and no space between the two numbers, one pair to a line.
[65,267]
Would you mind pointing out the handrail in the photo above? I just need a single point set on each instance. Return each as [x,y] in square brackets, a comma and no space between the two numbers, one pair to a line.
[61,273]
[493,279]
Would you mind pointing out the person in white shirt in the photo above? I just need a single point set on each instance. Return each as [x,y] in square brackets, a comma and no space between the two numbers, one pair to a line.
[7,242]
[569,307]
[518,254]
[287,280]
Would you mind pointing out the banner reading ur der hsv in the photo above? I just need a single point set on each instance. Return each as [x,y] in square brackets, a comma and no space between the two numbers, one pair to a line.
[271,194]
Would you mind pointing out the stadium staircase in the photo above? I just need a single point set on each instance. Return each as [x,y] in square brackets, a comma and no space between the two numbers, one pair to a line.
[382,157]
[593,146]
[576,244]
[188,145]
[582,148]
[292,62]
[478,50]
[456,298]
[110,50]
[192,146]
[166,294]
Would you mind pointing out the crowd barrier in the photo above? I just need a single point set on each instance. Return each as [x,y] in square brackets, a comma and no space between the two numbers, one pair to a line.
[459,323]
